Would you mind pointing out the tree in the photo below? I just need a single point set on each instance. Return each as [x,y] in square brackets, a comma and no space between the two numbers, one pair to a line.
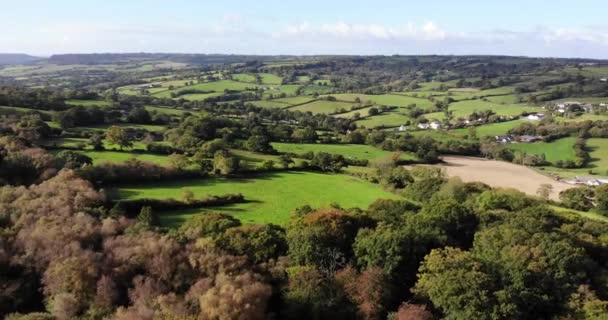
[285,160]
[577,198]
[601,199]
[308,134]
[224,163]
[119,136]
[268,165]
[260,144]
[187,196]
[96,141]
[456,284]
[147,217]
[545,190]
[72,160]
[372,111]
[139,115]
[178,161]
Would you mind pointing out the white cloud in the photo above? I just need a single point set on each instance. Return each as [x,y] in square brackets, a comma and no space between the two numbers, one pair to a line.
[240,34]
[427,31]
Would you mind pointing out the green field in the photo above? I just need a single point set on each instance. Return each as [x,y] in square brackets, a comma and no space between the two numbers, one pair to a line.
[463,109]
[493,129]
[561,149]
[598,165]
[323,106]
[272,198]
[386,99]
[386,119]
[87,103]
[355,151]
[114,156]
[169,111]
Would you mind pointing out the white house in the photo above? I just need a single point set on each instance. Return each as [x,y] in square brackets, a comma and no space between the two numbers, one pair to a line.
[435,125]
[534,117]
[590,181]
[402,128]
[604,79]
[424,126]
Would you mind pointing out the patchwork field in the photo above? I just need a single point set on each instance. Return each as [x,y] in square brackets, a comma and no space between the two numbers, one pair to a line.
[272,198]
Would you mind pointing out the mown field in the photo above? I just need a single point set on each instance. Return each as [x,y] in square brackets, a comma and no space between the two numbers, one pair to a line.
[386,99]
[561,149]
[272,198]
[493,129]
[323,106]
[386,119]
[463,109]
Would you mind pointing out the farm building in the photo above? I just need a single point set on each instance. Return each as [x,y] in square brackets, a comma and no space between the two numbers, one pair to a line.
[435,125]
[589,181]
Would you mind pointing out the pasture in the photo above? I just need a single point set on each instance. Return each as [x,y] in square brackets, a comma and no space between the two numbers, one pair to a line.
[323,106]
[386,99]
[388,119]
[463,109]
[561,149]
[492,129]
[353,151]
[271,198]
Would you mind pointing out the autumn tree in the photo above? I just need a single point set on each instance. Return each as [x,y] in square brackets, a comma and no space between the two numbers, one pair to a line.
[119,136]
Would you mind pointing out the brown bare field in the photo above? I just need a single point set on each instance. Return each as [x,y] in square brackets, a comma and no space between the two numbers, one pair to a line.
[499,174]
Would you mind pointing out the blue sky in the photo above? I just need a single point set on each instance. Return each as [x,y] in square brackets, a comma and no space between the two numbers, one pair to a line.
[534,27]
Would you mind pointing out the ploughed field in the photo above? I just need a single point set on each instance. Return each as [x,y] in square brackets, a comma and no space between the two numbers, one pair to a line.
[499,174]
[271,198]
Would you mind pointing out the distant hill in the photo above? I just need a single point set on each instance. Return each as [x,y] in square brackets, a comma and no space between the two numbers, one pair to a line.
[203,59]
[17,58]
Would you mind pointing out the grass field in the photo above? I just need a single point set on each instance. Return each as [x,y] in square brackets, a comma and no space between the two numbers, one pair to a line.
[598,165]
[386,99]
[561,149]
[103,127]
[18,110]
[355,151]
[386,119]
[493,129]
[323,106]
[272,198]
[169,111]
[113,156]
[463,109]
[86,103]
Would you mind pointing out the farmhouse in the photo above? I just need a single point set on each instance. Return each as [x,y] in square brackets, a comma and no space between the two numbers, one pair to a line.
[402,128]
[528,139]
[589,181]
[504,139]
[534,117]
[435,125]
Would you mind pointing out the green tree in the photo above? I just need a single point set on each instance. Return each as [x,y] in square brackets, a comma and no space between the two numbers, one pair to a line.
[285,160]
[147,216]
[178,161]
[601,199]
[224,163]
[119,136]
[577,198]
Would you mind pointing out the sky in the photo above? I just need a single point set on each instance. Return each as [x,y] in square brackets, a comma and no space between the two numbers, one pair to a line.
[546,28]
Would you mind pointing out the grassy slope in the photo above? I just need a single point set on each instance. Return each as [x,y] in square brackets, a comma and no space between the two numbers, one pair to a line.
[562,149]
[356,151]
[272,197]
